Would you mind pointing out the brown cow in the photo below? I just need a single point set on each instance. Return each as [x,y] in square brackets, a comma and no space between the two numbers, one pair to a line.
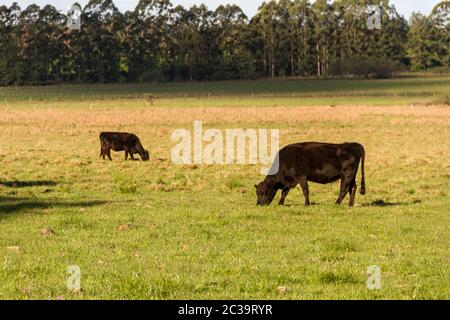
[120,141]
[316,162]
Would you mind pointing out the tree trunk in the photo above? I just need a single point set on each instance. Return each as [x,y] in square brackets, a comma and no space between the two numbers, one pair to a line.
[318,61]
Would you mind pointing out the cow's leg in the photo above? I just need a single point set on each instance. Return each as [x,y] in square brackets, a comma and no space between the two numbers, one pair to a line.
[345,187]
[284,194]
[126,155]
[340,198]
[108,154]
[343,191]
[102,153]
[305,189]
[132,156]
[352,192]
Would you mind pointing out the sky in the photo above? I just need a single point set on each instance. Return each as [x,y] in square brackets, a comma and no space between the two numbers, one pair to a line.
[404,7]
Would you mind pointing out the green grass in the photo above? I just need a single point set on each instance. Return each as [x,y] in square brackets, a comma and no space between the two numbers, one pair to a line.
[155,230]
[406,90]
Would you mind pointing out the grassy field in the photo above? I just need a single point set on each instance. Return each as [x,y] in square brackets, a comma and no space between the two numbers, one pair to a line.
[403,91]
[156,230]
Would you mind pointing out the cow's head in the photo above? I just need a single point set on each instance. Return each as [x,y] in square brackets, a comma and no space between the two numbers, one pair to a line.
[145,156]
[265,191]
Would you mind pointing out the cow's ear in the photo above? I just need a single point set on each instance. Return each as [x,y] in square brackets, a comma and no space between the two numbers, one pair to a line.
[256,187]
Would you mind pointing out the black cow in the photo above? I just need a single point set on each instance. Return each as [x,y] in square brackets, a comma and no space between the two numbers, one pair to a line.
[120,141]
[316,162]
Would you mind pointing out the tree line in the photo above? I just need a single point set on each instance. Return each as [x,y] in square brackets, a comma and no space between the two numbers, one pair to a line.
[159,42]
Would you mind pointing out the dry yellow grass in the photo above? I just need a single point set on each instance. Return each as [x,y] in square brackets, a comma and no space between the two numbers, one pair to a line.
[69,136]
[166,231]
[117,116]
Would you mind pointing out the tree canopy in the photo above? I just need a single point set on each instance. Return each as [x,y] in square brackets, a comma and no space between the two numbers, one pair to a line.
[161,42]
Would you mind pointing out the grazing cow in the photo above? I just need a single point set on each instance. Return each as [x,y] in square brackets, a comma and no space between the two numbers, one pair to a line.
[316,162]
[119,141]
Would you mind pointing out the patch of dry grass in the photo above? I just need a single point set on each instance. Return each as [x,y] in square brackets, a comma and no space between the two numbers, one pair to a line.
[207,238]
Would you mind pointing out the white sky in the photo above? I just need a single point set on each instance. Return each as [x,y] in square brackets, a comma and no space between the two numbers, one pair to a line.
[405,7]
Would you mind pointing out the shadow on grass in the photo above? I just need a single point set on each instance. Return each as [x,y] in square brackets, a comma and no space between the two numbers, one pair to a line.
[9,205]
[312,204]
[382,203]
[376,203]
[28,184]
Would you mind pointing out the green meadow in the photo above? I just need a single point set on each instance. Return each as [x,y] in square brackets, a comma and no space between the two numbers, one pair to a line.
[156,230]
[405,90]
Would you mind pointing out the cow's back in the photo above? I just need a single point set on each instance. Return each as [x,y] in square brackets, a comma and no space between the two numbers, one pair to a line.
[119,141]
[307,154]
[319,162]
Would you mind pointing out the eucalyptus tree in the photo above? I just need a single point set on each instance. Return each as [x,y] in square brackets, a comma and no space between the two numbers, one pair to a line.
[269,24]
[177,35]
[423,42]
[193,42]
[234,60]
[392,36]
[100,47]
[50,35]
[159,42]
[149,36]
[27,39]
[441,20]
[441,15]
[301,23]
[9,44]
[206,60]
[428,43]
[36,32]
[354,39]
[324,18]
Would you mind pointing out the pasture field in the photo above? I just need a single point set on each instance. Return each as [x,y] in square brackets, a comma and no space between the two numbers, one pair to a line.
[156,230]
[424,89]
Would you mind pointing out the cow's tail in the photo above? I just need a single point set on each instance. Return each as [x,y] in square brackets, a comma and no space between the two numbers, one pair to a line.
[363,178]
